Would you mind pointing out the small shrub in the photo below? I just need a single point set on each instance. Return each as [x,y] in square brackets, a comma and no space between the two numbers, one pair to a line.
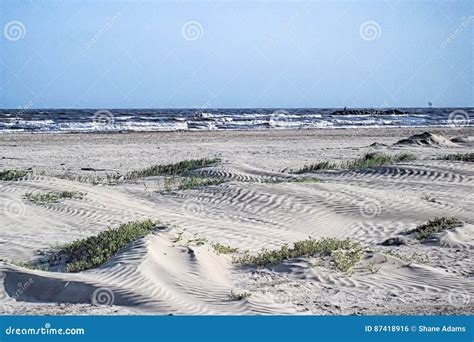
[346,259]
[49,197]
[223,249]
[436,225]
[304,248]
[233,296]
[12,175]
[28,265]
[197,241]
[94,251]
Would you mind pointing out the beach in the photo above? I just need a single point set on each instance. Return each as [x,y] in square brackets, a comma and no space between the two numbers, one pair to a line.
[257,199]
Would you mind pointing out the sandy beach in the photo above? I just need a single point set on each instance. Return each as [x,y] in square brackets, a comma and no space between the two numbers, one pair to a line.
[257,204]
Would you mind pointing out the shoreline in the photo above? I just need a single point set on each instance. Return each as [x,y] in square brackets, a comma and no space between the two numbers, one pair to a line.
[98,132]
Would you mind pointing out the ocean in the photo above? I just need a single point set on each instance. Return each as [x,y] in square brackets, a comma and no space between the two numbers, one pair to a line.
[151,120]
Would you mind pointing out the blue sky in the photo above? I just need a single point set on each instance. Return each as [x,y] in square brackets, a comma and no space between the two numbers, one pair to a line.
[162,54]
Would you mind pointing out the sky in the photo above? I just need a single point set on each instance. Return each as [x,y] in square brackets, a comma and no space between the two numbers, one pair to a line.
[229,54]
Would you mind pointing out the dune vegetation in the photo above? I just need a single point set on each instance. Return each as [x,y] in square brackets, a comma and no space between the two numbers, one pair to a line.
[12,175]
[96,250]
[346,253]
[436,225]
[466,157]
[52,196]
[368,160]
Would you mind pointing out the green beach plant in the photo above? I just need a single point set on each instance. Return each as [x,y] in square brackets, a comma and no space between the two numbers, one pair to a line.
[223,249]
[346,259]
[372,159]
[465,157]
[305,248]
[53,196]
[96,250]
[176,169]
[438,224]
[182,168]
[13,175]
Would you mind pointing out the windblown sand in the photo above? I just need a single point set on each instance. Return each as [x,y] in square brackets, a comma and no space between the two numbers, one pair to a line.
[170,272]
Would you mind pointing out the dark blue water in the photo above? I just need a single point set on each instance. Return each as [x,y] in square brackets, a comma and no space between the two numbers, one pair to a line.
[149,120]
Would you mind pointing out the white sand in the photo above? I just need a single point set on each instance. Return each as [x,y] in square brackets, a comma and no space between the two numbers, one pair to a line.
[161,275]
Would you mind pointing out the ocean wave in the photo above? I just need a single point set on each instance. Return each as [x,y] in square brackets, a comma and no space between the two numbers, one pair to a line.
[138,120]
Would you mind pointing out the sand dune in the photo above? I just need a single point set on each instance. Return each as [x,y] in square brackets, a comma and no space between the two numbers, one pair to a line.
[258,205]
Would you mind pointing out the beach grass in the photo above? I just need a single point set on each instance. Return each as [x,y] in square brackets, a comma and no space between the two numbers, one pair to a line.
[372,159]
[12,175]
[465,157]
[176,169]
[182,168]
[196,182]
[436,225]
[292,180]
[96,250]
[52,196]
[304,248]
